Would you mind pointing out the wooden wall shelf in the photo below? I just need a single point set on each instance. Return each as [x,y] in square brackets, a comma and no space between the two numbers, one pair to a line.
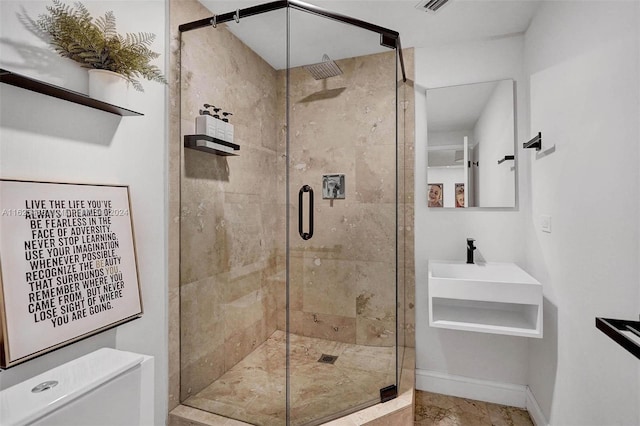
[23,82]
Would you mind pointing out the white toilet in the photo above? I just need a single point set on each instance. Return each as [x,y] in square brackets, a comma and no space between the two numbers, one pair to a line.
[107,387]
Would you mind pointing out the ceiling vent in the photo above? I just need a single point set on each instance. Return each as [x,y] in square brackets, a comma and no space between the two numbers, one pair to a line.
[431,6]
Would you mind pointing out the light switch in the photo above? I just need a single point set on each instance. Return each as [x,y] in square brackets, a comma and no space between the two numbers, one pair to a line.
[545,223]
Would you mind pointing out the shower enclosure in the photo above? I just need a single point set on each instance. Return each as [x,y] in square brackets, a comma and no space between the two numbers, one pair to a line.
[289,246]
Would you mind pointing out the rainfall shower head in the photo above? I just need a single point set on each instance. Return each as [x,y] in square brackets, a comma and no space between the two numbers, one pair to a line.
[325,69]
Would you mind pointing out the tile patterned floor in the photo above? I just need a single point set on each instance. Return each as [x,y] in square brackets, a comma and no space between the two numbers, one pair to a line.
[433,409]
[253,391]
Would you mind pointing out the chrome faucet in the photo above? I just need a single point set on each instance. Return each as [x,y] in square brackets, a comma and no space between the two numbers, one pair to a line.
[470,248]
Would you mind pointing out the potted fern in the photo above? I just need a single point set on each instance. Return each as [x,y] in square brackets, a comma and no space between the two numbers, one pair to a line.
[113,60]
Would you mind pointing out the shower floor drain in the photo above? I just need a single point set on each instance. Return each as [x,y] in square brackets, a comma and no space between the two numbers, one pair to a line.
[328,359]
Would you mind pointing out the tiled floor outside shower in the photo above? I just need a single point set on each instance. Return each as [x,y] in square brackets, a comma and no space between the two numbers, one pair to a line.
[253,391]
[434,409]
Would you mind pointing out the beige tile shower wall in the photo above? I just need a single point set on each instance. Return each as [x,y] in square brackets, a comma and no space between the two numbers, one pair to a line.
[342,281]
[229,216]
[173,183]
[401,273]
[406,174]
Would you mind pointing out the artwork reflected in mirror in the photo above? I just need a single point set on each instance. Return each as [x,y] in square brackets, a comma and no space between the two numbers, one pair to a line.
[459,188]
[435,195]
[469,128]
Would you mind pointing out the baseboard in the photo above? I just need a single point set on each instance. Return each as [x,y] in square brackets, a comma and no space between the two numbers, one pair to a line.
[534,410]
[467,387]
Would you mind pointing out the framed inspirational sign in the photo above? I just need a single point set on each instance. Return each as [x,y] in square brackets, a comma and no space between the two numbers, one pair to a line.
[67,265]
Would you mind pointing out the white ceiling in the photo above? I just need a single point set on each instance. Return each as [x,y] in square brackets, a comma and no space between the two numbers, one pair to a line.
[457,107]
[459,20]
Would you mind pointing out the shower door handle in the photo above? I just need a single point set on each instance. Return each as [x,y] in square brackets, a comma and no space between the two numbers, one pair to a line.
[305,235]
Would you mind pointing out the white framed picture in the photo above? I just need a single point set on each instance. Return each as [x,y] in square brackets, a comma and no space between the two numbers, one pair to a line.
[68,265]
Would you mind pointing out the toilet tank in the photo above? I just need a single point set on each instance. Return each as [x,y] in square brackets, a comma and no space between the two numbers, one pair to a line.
[107,387]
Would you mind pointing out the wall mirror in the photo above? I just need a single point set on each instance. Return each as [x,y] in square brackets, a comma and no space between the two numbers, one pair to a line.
[471,145]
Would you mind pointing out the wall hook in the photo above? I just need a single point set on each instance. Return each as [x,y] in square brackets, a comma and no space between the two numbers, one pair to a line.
[214,22]
[506,157]
[534,143]
[236,16]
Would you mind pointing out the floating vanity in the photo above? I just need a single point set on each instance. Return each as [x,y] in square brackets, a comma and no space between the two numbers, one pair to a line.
[491,297]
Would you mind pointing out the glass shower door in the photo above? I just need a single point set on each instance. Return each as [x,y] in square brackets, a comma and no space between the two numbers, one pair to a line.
[232,227]
[341,186]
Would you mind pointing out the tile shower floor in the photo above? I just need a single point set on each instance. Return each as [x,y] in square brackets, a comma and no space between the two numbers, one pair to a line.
[253,391]
[433,409]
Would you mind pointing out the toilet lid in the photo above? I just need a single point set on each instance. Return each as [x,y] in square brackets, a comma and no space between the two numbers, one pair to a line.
[41,395]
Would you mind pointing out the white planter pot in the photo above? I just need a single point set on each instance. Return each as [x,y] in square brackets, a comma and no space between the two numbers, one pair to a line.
[110,87]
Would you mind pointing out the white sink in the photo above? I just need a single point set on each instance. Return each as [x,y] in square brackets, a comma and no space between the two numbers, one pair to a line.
[490,297]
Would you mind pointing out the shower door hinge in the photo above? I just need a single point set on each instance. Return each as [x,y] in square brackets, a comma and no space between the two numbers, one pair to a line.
[388,41]
[388,393]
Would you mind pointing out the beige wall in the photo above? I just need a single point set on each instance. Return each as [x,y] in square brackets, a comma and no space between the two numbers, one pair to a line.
[230,293]
[229,216]
[342,281]
[406,234]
